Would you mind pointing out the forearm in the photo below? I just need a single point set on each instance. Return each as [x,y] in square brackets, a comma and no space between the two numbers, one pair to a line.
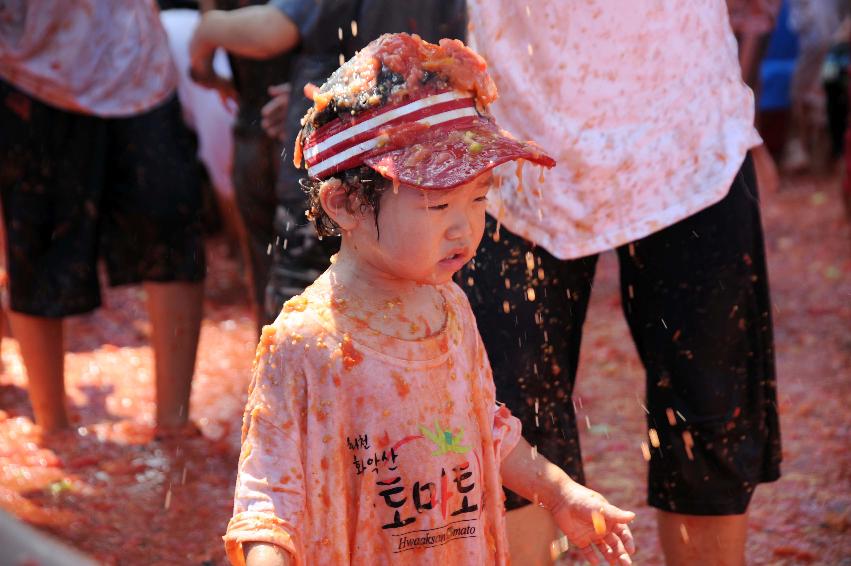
[256,32]
[532,476]
[264,554]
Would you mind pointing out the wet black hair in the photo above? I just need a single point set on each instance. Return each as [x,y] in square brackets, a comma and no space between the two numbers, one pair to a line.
[363,182]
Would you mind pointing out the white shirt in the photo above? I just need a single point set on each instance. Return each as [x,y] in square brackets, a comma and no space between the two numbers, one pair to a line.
[100,57]
[203,109]
[641,102]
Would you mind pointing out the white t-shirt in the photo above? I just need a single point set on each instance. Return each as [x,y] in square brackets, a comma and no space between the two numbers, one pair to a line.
[203,109]
[641,102]
[89,56]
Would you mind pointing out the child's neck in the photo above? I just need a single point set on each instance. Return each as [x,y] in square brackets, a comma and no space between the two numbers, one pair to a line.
[401,308]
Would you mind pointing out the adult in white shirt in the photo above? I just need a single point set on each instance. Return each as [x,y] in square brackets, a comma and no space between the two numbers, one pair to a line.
[95,162]
[643,105]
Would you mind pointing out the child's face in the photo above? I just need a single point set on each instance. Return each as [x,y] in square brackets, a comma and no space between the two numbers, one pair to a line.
[425,236]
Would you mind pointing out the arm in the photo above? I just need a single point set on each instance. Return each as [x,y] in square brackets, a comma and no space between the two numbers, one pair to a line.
[264,554]
[583,515]
[256,32]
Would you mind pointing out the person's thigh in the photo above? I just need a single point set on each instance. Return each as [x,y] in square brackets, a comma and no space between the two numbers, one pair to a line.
[529,308]
[152,202]
[696,298]
[51,179]
[531,532]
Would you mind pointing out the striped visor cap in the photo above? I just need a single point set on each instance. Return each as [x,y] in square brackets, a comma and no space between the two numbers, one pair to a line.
[436,141]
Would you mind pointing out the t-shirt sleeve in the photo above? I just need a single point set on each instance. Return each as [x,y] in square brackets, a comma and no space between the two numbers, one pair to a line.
[269,501]
[303,13]
[507,430]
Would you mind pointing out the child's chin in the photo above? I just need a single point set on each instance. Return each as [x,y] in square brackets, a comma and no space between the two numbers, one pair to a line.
[442,277]
[434,278]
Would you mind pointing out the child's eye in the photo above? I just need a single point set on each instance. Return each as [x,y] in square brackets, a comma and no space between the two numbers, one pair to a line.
[482,198]
[439,207]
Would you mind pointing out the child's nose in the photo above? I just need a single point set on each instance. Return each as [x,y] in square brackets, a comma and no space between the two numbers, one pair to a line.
[461,228]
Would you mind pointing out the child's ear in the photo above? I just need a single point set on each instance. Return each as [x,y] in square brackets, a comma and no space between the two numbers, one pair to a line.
[341,207]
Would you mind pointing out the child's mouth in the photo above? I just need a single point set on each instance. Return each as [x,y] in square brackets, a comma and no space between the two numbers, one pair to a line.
[455,260]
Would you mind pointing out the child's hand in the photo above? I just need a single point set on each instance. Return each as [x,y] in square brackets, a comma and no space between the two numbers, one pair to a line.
[589,521]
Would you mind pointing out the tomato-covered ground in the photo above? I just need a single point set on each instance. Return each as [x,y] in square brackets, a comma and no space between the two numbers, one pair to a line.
[112,492]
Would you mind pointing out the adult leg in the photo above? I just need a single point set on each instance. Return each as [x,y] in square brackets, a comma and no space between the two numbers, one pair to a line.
[531,532]
[51,181]
[43,352]
[529,308]
[255,167]
[696,299]
[815,23]
[694,540]
[175,311]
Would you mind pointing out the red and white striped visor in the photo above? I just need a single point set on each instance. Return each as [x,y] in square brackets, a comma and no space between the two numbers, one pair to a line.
[438,141]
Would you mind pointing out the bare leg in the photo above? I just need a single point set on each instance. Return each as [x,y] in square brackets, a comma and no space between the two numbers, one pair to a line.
[43,350]
[691,540]
[175,312]
[239,244]
[767,177]
[531,531]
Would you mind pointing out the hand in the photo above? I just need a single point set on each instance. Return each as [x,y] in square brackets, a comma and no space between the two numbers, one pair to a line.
[201,70]
[589,522]
[274,112]
[201,54]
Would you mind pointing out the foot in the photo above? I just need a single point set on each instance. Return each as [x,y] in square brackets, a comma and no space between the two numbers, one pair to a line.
[795,158]
[186,431]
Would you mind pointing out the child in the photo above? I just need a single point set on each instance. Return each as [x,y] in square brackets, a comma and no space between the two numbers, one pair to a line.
[371,434]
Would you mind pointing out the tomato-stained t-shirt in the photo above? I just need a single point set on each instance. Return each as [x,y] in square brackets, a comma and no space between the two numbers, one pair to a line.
[107,59]
[361,448]
[641,102]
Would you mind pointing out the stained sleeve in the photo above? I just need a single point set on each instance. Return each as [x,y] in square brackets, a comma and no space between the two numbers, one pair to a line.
[507,430]
[270,498]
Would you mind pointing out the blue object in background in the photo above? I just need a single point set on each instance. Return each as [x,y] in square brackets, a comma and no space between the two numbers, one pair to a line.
[778,65]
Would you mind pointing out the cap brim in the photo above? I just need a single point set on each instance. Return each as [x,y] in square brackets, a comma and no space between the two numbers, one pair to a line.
[446,155]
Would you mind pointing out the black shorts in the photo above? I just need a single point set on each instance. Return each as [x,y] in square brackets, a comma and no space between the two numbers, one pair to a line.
[78,187]
[696,299]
